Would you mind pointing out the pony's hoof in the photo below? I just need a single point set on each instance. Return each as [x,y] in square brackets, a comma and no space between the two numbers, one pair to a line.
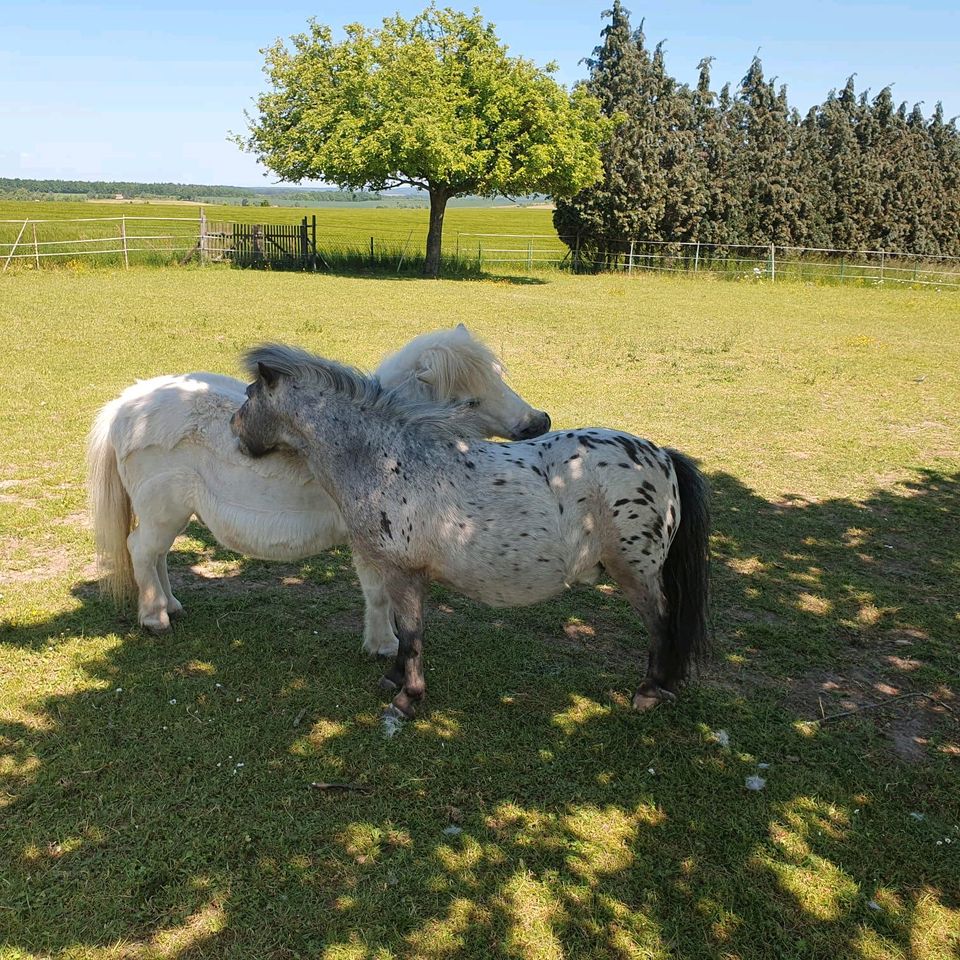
[175,613]
[387,685]
[157,625]
[648,697]
[404,705]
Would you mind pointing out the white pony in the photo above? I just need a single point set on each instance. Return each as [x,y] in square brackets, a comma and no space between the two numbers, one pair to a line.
[162,452]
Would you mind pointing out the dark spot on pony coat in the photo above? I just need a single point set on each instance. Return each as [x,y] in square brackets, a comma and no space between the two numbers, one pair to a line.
[385,525]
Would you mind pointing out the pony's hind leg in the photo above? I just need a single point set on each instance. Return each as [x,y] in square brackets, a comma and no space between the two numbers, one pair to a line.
[174,606]
[646,596]
[148,546]
[406,674]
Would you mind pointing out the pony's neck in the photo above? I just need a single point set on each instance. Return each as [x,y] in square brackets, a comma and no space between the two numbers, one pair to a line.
[345,445]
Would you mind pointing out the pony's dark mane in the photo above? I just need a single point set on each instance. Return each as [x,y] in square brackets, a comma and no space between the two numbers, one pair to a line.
[361,390]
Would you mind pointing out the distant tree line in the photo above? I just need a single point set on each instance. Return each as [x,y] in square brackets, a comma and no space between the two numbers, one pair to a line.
[743,166]
[13,188]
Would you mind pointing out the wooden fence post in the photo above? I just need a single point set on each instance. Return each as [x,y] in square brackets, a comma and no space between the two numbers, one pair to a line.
[123,237]
[630,264]
[36,246]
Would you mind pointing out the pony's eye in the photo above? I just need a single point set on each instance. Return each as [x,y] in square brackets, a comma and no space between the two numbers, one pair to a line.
[473,402]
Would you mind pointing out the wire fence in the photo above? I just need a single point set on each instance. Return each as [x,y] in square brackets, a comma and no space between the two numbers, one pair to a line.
[126,239]
[739,261]
[113,238]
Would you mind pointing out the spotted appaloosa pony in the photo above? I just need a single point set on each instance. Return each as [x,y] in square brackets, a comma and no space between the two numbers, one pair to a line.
[506,524]
[163,452]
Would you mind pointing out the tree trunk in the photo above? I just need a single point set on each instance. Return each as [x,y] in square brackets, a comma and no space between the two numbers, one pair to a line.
[438,204]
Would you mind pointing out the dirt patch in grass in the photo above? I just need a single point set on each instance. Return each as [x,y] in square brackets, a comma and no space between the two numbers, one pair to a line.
[598,638]
[233,579]
[7,494]
[36,566]
[902,714]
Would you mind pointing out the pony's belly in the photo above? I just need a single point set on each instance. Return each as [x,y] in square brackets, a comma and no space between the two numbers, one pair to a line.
[512,589]
[260,530]
[267,518]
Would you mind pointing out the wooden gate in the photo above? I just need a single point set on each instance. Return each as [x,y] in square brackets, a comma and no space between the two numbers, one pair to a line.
[274,246]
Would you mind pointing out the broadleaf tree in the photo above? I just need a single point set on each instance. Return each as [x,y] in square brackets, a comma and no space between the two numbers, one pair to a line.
[433,102]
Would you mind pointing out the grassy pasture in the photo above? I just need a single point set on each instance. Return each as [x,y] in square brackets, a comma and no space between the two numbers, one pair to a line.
[155,793]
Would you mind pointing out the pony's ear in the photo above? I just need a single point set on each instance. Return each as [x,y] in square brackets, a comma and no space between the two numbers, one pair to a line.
[267,374]
[461,328]
[428,367]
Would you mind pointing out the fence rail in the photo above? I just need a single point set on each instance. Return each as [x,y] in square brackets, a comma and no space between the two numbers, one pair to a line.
[296,246]
[759,261]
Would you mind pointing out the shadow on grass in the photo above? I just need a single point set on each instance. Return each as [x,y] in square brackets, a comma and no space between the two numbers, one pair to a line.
[161,805]
[389,264]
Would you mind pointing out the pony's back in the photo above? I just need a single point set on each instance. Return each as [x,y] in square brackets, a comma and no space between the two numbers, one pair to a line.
[165,410]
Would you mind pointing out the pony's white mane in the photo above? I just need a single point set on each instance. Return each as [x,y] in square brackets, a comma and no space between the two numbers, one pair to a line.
[448,360]
[362,391]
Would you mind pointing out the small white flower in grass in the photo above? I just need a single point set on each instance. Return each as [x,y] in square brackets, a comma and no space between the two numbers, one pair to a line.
[939,843]
[721,738]
[763,766]
[755,782]
[873,905]
[916,816]
[453,831]
[651,771]
[173,702]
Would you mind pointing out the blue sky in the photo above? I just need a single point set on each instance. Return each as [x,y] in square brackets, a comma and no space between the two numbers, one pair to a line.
[148,91]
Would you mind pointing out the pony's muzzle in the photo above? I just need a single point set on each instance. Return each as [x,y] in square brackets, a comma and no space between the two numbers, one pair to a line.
[538,424]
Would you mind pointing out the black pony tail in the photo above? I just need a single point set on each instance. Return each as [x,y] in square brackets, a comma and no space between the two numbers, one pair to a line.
[686,575]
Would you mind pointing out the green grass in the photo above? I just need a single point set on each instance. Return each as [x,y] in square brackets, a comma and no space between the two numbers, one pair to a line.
[829,422]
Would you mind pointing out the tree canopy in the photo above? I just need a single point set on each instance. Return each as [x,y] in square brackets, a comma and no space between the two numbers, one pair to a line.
[433,102]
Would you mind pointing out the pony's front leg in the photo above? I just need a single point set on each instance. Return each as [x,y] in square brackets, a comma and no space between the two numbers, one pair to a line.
[407,670]
[378,636]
